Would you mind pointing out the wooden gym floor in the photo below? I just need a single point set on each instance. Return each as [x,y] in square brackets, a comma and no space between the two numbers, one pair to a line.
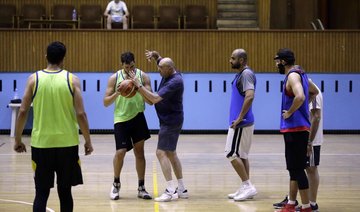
[208,176]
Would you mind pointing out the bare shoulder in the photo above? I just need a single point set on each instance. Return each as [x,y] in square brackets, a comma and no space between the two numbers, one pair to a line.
[75,80]
[31,79]
[75,77]
[112,78]
[294,77]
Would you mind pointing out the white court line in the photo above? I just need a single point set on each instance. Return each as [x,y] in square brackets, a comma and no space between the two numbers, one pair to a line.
[25,203]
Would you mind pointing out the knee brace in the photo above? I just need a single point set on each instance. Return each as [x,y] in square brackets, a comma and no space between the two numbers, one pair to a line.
[300,177]
[303,182]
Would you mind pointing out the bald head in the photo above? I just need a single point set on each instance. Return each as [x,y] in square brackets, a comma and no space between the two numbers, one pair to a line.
[166,67]
[240,53]
[166,61]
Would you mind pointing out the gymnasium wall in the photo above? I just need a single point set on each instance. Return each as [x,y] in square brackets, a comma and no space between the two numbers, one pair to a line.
[205,51]
[206,100]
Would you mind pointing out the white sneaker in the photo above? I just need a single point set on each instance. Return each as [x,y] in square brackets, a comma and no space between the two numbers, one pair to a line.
[114,192]
[167,196]
[231,196]
[184,194]
[248,192]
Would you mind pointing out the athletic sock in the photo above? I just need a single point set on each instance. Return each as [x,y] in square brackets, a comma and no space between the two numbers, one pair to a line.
[170,186]
[116,179]
[291,202]
[247,182]
[312,203]
[181,185]
[305,206]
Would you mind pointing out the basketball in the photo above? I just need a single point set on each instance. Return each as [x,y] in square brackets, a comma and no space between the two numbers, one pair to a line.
[127,88]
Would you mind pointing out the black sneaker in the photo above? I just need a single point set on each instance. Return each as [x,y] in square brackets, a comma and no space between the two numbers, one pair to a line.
[314,208]
[282,204]
[143,194]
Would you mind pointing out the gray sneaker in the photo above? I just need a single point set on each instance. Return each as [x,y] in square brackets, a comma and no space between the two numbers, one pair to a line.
[143,194]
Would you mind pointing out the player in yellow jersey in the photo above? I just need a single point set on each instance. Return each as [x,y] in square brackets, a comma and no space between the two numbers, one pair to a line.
[130,126]
[58,112]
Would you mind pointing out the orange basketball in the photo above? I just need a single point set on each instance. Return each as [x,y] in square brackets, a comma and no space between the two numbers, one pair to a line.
[127,88]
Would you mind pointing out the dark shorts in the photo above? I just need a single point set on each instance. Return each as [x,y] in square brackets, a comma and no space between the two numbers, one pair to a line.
[63,161]
[296,149]
[314,159]
[130,132]
[168,137]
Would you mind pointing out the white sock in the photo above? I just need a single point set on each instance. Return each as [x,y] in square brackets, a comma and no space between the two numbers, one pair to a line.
[312,203]
[181,185]
[247,183]
[291,202]
[170,186]
[305,206]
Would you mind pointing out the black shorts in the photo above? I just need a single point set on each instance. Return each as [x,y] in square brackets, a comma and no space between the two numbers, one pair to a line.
[168,137]
[63,161]
[130,132]
[296,149]
[314,159]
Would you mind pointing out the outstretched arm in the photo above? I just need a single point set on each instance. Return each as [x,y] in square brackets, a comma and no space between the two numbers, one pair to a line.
[150,96]
[152,55]
[145,89]
[147,84]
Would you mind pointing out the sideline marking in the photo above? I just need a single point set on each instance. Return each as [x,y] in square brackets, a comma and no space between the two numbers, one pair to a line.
[25,203]
[155,186]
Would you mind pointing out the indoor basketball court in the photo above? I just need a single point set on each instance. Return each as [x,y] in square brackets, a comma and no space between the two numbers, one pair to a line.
[207,174]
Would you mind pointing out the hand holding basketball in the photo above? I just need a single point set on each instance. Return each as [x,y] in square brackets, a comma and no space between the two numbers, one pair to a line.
[127,88]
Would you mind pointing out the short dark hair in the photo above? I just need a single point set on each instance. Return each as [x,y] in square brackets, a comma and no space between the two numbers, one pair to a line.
[287,55]
[56,52]
[127,58]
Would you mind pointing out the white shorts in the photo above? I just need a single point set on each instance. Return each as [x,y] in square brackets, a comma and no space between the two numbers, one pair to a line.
[116,18]
[238,142]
